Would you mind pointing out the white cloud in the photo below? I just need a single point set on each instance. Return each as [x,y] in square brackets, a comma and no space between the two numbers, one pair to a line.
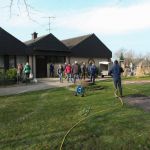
[19,17]
[109,19]
[106,19]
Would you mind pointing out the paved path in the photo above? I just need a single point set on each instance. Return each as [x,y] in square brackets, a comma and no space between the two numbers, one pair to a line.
[41,85]
[45,83]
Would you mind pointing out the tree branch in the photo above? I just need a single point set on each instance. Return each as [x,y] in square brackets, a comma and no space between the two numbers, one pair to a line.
[18,5]
[10,7]
[27,7]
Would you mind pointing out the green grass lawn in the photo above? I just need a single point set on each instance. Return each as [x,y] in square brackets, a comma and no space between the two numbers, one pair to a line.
[137,78]
[39,120]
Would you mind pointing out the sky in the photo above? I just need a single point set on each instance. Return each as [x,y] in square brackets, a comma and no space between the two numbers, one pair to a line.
[119,24]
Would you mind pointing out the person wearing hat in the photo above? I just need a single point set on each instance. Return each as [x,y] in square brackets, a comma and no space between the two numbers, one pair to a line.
[115,72]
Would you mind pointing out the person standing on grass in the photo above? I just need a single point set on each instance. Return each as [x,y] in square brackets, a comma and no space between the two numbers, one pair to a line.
[60,73]
[116,71]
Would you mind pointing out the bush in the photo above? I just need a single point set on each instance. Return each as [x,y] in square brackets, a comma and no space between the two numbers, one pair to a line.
[2,76]
[11,74]
[9,77]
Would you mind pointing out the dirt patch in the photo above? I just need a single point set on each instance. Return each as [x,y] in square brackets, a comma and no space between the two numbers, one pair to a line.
[95,87]
[138,100]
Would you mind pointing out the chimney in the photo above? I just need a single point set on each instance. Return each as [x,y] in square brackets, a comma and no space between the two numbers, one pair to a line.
[34,35]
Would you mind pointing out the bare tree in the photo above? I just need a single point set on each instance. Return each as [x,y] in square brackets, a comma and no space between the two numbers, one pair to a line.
[22,5]
[128,55]
[147,56]
[18,3]
[118,53]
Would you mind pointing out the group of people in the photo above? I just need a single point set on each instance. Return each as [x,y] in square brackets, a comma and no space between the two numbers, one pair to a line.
[77,71]
[23,72]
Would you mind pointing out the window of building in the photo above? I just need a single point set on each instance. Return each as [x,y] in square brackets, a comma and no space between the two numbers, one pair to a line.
[1,61]
[11,61]
[60,59]
[21,60]
[1,65]
[56,59]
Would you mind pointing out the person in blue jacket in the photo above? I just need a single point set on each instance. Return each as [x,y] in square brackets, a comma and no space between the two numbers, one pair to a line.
[51,70]
[115,72]
[92,73]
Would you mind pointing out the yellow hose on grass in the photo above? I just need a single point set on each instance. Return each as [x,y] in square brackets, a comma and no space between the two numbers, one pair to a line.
[115,93]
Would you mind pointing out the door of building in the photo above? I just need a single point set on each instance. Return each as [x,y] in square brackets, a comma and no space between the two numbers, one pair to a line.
[41,66]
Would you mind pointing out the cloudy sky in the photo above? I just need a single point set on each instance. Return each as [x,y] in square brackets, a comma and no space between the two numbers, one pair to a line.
[120,24]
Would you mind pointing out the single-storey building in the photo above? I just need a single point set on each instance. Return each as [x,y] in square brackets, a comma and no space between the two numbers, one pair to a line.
[12,51]
[40,52]
[45,50]
[87,48]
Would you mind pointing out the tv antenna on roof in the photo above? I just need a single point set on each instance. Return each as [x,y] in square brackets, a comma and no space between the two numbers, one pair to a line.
[49,22]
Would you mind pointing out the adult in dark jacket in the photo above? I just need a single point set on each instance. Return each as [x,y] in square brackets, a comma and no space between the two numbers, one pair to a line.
[92,73]
[75,71]
[83,71]
[51,70]
[116,71]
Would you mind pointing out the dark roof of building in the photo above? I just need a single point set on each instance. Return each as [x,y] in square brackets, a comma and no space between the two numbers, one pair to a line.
[32,41]
[87,46]
[9,45]
[74,41]
[46,44]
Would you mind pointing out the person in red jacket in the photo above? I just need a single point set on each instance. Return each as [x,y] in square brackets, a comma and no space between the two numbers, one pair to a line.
[68,71]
